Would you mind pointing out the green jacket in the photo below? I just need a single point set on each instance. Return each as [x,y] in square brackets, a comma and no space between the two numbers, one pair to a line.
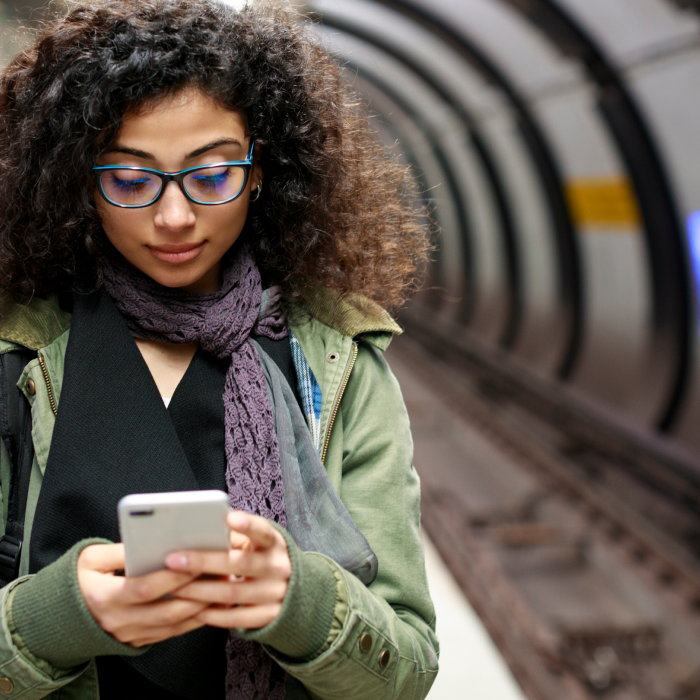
[346,628]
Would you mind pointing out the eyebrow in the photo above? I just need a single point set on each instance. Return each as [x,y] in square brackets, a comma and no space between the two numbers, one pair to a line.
[198,152]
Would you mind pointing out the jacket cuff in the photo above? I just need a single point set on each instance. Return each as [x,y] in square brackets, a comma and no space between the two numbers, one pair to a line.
[48,617]
[301,630]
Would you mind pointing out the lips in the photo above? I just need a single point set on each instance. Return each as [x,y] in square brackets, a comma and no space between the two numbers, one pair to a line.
[177,254]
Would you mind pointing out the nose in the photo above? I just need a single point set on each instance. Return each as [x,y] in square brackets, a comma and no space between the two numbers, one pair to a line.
[174,211]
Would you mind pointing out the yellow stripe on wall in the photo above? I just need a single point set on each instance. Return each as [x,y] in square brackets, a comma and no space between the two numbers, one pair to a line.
[608,202]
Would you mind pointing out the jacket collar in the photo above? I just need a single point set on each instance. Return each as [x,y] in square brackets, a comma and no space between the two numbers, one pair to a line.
[34,325]
[351,315]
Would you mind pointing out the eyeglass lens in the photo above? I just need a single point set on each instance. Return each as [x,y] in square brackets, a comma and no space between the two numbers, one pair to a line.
[139,187]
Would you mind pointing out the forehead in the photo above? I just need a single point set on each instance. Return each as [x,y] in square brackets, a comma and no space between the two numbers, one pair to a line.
[180,124]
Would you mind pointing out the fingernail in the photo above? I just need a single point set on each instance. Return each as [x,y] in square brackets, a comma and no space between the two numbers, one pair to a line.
[176,561]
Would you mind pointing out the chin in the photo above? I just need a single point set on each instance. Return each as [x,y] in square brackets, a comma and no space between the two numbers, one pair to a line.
[174,279]
[179,282]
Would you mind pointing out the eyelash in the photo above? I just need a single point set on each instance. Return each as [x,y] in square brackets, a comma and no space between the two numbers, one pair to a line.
[128,185]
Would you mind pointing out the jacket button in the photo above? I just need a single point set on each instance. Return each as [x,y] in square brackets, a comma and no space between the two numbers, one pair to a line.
[384,657]
[6,685]
[31,390]
[365,643]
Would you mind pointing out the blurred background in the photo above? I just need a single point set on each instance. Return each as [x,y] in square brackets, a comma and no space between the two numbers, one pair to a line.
[551,365]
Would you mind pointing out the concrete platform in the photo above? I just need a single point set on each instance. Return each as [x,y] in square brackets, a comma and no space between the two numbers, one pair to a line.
[471,666]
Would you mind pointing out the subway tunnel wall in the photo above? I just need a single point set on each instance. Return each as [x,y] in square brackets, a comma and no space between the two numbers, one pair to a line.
[558,145]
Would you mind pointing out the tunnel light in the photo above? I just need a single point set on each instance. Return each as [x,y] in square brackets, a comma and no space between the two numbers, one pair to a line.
[693,227]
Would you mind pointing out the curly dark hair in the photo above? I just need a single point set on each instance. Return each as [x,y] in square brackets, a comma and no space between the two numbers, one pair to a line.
[337,210]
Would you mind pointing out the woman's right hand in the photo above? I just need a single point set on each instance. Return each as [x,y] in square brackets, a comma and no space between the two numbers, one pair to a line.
[132,610]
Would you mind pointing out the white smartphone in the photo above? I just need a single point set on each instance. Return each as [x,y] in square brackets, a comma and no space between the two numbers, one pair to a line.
[152,525]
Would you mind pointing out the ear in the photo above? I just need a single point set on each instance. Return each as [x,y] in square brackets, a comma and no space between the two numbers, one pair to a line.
[256,174]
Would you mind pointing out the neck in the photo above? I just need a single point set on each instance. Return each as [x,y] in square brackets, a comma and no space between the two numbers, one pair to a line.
[209,283]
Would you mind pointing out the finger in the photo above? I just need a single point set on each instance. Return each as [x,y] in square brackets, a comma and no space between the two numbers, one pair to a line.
[258,529]
[161,634]
[108,597]
[165,613]
[252,564]
[198,562]
[100,591]
[105,558]
[152,587]
[138,621]
[238,541]
[235,592]
[253,617]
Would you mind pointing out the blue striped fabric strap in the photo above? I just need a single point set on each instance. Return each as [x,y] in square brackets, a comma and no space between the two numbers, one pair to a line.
[309,391]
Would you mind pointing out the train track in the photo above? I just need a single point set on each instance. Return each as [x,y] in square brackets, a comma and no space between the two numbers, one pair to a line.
[576,540]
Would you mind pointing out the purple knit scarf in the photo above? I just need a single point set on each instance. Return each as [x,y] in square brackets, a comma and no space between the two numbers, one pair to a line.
[222,324]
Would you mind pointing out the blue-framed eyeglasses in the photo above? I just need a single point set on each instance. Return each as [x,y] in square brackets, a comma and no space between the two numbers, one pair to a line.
[132,187]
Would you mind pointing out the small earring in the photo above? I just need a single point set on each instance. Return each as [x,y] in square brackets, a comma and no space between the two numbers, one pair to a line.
[258,189]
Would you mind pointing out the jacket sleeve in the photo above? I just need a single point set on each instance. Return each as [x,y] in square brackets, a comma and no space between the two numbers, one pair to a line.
[394,616]
[22,673]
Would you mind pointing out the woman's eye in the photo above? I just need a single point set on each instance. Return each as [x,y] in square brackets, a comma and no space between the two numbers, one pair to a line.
[131,184]
[209,181]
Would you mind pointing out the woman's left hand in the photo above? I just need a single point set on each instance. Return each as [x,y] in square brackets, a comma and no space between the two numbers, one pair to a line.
[252,577]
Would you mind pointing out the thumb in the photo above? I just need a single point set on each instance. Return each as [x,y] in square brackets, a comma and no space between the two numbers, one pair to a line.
[104,558]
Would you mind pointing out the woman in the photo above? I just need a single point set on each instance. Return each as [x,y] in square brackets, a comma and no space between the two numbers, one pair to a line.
[198,236]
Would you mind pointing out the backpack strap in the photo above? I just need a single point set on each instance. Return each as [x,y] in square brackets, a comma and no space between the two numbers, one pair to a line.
[16,434]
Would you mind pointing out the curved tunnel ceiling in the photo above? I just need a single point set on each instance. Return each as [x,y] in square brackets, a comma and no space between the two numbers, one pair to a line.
[670,284]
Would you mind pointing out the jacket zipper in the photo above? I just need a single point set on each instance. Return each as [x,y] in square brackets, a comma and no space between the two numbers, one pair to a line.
[49,388]
[346,379]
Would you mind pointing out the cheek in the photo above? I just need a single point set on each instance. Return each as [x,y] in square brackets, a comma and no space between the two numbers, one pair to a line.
[228,224]
[120,226]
